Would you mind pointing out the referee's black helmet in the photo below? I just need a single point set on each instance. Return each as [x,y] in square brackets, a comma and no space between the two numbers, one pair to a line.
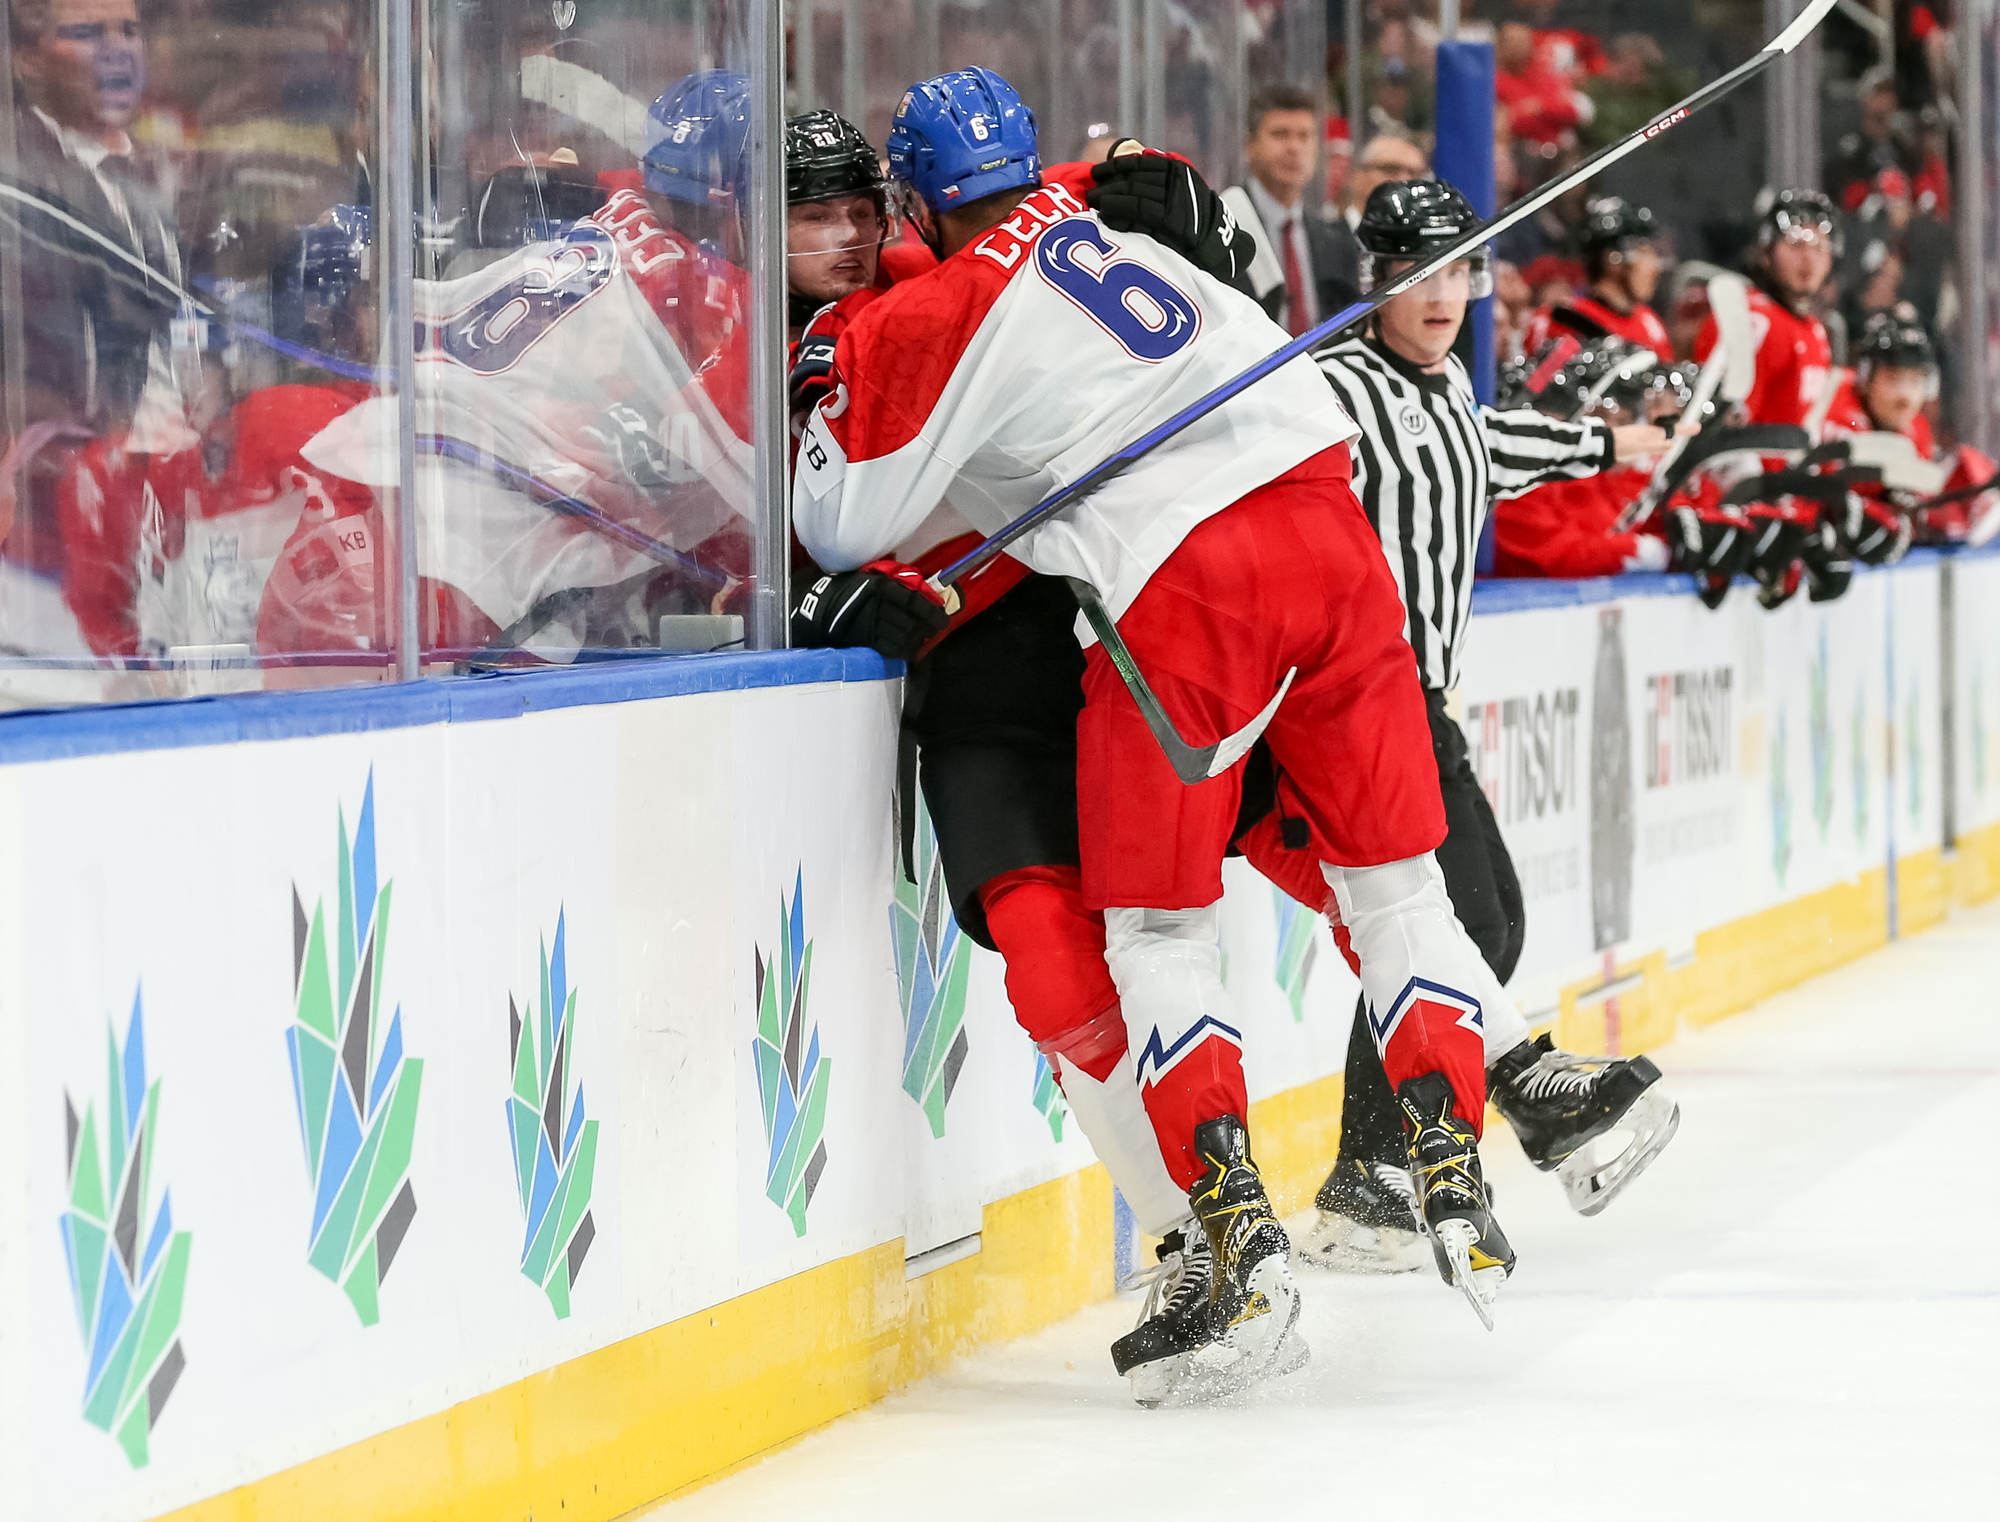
[1409,220]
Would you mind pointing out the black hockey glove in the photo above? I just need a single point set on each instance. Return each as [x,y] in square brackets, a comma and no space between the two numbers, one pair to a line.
[1873,531]
[1710,544]
[1158,195]
[812,372]
[885,606]
[1827,567]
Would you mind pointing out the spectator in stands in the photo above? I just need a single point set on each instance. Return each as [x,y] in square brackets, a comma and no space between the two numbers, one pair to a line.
[1391,155]
[1542,102]
[1863,154]
[1294,274]
[1635,87]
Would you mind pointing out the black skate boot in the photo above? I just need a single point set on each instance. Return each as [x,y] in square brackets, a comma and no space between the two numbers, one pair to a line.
[1471,1250]
[1176,1321]
[1559,1104]
[1255,1304]
[1367,1221]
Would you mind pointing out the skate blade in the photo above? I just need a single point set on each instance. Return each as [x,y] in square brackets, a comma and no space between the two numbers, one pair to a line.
[1341,1246]
[1260,1344]
[1480,1286]
[1590,1185]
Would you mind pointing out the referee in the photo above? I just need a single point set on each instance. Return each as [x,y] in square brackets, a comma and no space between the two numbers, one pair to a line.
[1427,462]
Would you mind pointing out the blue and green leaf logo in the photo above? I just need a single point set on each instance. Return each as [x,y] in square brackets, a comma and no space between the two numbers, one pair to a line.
[1049,1096]
[355,1090]
[932,964]
[792,1076]
[127,1265]
[1297,950]
[555,1148]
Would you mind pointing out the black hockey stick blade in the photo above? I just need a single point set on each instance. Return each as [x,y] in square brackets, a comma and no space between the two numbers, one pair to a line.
[1191,763]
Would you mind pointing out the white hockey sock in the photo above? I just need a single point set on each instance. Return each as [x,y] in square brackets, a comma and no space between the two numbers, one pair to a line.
[1114,1119]
[1401,925]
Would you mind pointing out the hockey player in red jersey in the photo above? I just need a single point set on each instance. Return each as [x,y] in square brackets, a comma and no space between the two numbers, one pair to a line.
[1037,341]
[1570,528]
[1798,244]
[1798,241]
[1621,258]
[1889,390]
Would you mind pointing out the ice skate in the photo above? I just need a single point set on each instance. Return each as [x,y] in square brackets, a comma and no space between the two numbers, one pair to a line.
[1175,1321]
[1470,1249]
[1367,1221]
[1561,1105]
[1254,1302]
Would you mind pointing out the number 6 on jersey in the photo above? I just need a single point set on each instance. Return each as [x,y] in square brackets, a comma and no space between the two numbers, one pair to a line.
[1151,318]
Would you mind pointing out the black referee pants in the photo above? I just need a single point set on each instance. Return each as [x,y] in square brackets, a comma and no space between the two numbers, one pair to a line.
[1479,875]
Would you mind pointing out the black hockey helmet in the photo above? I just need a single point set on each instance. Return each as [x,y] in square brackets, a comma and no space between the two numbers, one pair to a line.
[528,203]
[1798,213]
[1893,341]
[1410,219]
[826,156]
[1612,225]
[1573,378]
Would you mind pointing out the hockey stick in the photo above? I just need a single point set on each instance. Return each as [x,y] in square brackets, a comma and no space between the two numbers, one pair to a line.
[1731,370]
[1801,27]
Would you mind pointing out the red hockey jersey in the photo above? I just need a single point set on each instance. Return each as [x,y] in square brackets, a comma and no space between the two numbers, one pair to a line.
[1583,317]
[1794,360]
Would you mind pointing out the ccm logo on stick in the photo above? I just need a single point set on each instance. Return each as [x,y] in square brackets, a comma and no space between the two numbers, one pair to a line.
[1667,121]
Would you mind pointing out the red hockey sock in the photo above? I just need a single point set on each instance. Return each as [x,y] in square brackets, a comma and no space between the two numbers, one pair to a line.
[1432,1029]
[1057,979]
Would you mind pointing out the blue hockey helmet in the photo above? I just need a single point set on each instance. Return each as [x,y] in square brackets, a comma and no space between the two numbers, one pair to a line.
[962,136]
[701,145]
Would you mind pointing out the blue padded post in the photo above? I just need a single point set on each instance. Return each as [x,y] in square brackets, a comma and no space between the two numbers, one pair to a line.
[1465,159]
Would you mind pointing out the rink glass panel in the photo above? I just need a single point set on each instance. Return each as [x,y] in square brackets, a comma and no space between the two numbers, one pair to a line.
[586,430]
[186,296]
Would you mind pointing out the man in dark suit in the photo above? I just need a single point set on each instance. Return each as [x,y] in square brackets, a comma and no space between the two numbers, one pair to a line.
[89,261]
[1387,156]
[1295,271]
[98,257]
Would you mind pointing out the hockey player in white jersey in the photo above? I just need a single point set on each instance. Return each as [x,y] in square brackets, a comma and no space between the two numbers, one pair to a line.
[1230,556]
[582,404]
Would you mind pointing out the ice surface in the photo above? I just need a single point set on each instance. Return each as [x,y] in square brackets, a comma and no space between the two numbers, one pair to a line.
[1785,1318]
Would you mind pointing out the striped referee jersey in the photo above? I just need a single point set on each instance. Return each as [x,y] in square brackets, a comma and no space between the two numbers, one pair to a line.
[1427,461]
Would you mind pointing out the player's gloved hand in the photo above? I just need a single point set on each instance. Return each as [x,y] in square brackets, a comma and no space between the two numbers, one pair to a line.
[811,378]
[1164,198]
[1826,565]
[885,606]
[1871,530]
[621,431]
[1709,543]
[1777,539]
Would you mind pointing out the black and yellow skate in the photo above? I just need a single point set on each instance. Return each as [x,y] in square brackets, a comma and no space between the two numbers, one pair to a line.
[1255,1303]
[1367,1221]
[1560,1105]
[1471,1251]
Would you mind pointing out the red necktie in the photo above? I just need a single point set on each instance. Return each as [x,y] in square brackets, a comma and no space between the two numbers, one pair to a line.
[1297,307]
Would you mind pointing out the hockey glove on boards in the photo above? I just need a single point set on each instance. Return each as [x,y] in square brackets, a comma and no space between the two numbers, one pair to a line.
[1164,198]
[885,606]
